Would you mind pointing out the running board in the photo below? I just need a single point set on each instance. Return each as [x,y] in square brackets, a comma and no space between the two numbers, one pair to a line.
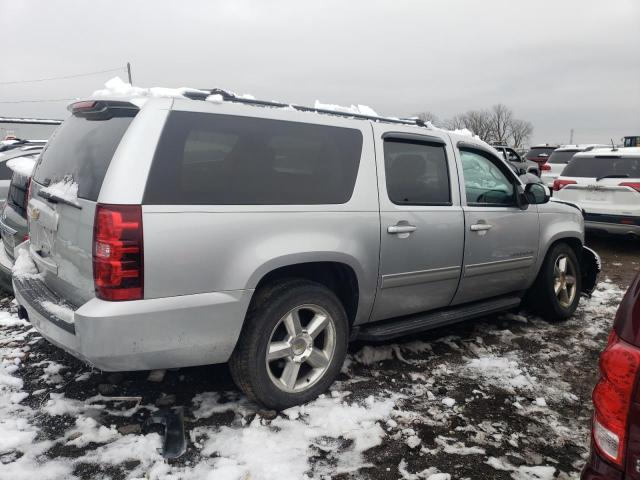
[401,326]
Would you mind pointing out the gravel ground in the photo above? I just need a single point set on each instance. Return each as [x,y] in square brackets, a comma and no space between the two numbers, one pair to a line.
[504,397]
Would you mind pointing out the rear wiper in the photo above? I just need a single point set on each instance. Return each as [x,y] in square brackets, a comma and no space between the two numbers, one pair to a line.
[624,175]
[53,198]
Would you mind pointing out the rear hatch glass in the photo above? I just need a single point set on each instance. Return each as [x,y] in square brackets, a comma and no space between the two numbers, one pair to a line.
[66,184]
[81,150]
[562,156]
[598,167]
[536,152]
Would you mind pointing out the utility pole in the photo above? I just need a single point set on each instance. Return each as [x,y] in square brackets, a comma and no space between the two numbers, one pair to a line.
[129,75]
[570,138]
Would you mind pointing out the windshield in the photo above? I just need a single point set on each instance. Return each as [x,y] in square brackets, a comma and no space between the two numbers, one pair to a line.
[81,149]
[597,167]
[540,152]
[562,156]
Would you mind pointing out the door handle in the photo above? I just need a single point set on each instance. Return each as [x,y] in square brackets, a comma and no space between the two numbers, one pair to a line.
[401,229]
[481,227]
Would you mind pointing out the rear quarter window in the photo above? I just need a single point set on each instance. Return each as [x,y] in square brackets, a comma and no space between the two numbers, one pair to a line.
[210,159]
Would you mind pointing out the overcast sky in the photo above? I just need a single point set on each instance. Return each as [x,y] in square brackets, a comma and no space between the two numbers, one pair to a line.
[560,64]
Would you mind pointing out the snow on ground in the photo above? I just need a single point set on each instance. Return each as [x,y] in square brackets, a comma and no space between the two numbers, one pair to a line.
[506,397]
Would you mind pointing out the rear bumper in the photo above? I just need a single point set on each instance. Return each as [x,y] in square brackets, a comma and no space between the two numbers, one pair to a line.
[148,334]
[612,225]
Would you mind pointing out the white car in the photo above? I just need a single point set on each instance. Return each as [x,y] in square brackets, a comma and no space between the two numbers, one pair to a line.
[606,184]
[559,159]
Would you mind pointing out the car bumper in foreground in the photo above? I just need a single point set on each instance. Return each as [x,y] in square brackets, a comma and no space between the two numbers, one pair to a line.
[148,334]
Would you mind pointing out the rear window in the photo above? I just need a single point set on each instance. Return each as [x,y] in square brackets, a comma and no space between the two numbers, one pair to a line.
[540,151]
[596,167]
[562,156]
[82,149]
[208,159]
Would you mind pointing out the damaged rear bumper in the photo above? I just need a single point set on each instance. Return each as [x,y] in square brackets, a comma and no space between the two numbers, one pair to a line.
[147,334]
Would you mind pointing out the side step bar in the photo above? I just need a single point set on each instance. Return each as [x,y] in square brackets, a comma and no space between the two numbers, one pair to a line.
[401,326]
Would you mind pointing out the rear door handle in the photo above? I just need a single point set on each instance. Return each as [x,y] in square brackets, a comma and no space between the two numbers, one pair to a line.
[401,229]
[481,227]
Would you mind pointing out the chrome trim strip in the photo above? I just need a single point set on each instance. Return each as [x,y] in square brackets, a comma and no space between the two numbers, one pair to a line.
[488,268]
[421,276]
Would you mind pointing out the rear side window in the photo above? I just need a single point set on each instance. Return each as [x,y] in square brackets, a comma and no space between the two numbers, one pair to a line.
[17,195]
[81,149]
[597,167]
[562,156]
[416,173]
[208,159]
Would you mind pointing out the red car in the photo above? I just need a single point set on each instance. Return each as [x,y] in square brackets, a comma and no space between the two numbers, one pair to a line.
[615,434]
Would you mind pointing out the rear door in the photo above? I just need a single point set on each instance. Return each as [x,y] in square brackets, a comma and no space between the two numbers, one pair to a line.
[64,190]
[501,243]
[422,224]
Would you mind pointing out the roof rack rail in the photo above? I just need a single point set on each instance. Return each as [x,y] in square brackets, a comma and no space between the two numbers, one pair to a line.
[231,97]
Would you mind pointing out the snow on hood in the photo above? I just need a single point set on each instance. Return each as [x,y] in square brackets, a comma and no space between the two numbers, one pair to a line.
[22,165]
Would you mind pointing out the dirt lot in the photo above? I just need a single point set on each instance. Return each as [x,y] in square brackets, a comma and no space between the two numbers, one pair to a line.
[505,397]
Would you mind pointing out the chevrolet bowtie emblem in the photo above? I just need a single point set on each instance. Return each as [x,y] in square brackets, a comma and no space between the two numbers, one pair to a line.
[35,214]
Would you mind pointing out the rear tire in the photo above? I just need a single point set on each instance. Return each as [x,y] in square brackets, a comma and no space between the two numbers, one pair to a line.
[292,345]
[556,292]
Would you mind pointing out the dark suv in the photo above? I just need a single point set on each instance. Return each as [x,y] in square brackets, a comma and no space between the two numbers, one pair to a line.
[540,153]
[615,451]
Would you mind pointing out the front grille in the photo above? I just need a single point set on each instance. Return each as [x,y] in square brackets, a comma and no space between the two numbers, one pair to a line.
[34,291]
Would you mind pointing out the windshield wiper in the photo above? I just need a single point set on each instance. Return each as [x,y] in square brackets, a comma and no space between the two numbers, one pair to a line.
[624,175]
[53,198]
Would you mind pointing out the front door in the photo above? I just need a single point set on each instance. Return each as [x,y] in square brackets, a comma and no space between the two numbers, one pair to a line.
[422,223]
[501,239]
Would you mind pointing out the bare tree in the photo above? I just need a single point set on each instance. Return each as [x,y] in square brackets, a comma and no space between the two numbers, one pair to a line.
[480,123]
[428,117]
[455,123]
[519,132]
[501,118]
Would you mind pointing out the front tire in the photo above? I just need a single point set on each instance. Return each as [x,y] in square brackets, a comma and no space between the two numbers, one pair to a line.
[556,292]
[292,345]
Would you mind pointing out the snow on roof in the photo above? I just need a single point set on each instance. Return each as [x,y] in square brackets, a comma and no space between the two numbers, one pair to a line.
[357,109]
[22,165]
[118,88]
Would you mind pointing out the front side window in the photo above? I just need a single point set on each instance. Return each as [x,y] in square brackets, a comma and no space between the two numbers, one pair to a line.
[207,159]
[485,183]
[417,173]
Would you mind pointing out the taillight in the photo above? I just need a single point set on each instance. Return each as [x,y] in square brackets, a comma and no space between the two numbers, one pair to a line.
[612,397]
[545,166]
[560,184]
[634,185]
[118,261]
[82,106]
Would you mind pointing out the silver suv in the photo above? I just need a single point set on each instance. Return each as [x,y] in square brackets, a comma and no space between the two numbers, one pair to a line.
[185,231]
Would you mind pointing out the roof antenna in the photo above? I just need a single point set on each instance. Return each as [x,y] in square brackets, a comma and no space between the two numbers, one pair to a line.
[613,146]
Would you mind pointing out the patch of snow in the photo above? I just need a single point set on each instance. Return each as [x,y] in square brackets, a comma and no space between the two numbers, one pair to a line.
[208,403]
[118,88]
[369,355]
[24,266]
[449,402]
[356,109]
[87,430]
[22,165]
[58,404]
[62,312]
[65,189]
[9,320]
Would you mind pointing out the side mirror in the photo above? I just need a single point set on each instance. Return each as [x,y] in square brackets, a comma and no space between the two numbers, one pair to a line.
[537,193]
